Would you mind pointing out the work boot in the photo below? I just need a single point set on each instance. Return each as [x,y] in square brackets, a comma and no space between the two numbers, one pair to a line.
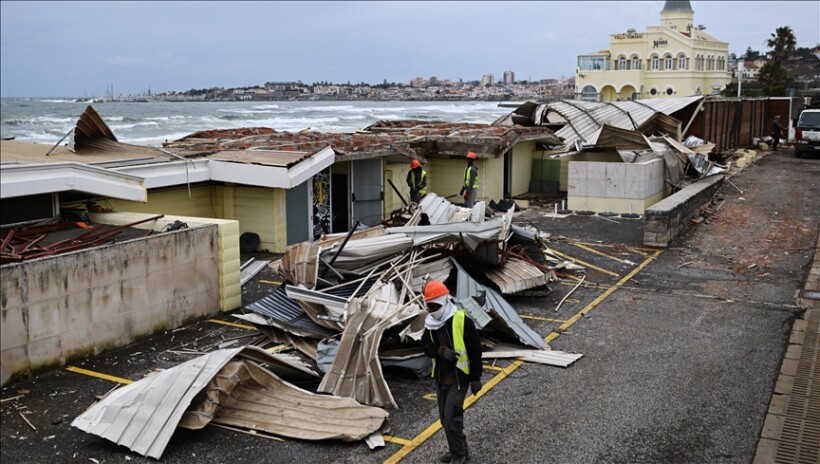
[447,457]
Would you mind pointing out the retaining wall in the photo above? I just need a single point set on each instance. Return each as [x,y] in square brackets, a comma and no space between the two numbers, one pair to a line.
[668,218]
[72,305]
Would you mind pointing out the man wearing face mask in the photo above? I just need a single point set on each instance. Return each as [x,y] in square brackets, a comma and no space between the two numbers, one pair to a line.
[451,340]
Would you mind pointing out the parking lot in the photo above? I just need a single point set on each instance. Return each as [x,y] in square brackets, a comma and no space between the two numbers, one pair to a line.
[681,348]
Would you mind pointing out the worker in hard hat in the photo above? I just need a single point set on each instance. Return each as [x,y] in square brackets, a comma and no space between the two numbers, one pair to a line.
[417,181]
[468,190]
[452,341]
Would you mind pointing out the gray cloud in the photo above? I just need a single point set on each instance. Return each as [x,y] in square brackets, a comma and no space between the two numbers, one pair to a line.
[183,45]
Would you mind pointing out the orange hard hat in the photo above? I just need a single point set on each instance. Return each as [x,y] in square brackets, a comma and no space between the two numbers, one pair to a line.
[414,164]
[471,155]
[435,289]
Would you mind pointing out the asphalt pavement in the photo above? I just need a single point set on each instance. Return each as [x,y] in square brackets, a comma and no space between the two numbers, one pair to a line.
[681,350]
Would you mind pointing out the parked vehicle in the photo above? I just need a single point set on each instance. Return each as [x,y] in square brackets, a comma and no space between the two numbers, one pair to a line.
[807,133]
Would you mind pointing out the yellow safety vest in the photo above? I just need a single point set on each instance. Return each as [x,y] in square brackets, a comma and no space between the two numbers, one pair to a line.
[423,176]
[467,177]
[463,362]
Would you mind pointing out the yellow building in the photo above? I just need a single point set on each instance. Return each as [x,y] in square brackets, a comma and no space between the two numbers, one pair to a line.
[675,59]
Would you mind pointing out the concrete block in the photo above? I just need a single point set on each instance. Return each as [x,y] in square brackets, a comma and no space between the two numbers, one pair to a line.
[12,361]
[43,320]
[596,188]
[76,343]
[13,328]
[596,171]
[635,171]
[741,163]
[616,172]
[106,301]
[45,351]
[135,293]
[115,331]
[75,310]
[12,288]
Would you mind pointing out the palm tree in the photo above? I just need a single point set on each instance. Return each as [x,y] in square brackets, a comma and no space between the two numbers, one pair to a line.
[782,44]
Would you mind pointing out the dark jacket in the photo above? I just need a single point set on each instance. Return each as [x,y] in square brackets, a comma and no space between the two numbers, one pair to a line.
[444,337]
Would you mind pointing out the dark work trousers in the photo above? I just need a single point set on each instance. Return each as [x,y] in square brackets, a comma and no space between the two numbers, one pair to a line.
[470,201]
[451,412]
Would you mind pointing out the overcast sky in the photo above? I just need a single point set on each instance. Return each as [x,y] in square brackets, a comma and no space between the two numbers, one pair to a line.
[65,49]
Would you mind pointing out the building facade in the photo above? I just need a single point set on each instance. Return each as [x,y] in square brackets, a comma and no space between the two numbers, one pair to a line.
[674,59]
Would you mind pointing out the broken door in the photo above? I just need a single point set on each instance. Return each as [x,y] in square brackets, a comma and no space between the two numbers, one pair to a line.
[367,192]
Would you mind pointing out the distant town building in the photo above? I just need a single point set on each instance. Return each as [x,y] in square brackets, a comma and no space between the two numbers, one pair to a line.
[675,59]
[509,77]
[487,79]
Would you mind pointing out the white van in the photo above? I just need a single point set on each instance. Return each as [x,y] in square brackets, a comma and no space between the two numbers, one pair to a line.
[807,133]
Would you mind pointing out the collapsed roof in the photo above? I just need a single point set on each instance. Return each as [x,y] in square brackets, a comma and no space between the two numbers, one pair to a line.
[578,122]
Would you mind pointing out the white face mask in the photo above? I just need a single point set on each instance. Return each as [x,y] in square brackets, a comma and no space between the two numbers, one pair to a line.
[437,314]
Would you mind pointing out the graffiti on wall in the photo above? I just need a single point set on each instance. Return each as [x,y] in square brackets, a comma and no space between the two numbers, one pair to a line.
[321,204]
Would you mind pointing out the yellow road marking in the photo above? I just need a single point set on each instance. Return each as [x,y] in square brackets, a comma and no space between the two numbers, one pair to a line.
[232,324]
[493,368]
[398,440]
[435,426]
[592,250]
[600,298]
[568,276]
[270,282]
[429,396]
[638,251]
[539,318]
[591,266]
[80,370]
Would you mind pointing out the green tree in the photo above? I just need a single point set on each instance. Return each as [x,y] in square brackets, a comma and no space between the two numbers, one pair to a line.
[751,55]
[782,44]
[773,76]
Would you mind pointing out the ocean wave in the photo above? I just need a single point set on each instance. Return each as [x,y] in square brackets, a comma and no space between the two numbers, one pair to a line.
[134,125]
[244,111]
[265,107]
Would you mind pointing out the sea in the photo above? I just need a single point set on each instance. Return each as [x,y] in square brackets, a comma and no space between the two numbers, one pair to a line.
[47,120]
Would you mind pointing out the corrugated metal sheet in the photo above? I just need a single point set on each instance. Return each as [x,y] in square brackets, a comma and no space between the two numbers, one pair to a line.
[144,415]
[356,371]
[300,263]
[437,209]
[585,118]
[552,358]
[472,234]
[496,304]
[517,275]
[286,314]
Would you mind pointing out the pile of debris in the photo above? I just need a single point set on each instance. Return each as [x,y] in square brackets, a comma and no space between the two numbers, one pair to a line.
[351,305]
[354,300]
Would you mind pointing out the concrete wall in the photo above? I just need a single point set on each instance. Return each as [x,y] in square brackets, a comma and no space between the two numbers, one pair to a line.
[68,306]
[615,187]
[230,287]
[668,218]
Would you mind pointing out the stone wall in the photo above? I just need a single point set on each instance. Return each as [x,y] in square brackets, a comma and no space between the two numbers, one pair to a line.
[68,306]
[670,217]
